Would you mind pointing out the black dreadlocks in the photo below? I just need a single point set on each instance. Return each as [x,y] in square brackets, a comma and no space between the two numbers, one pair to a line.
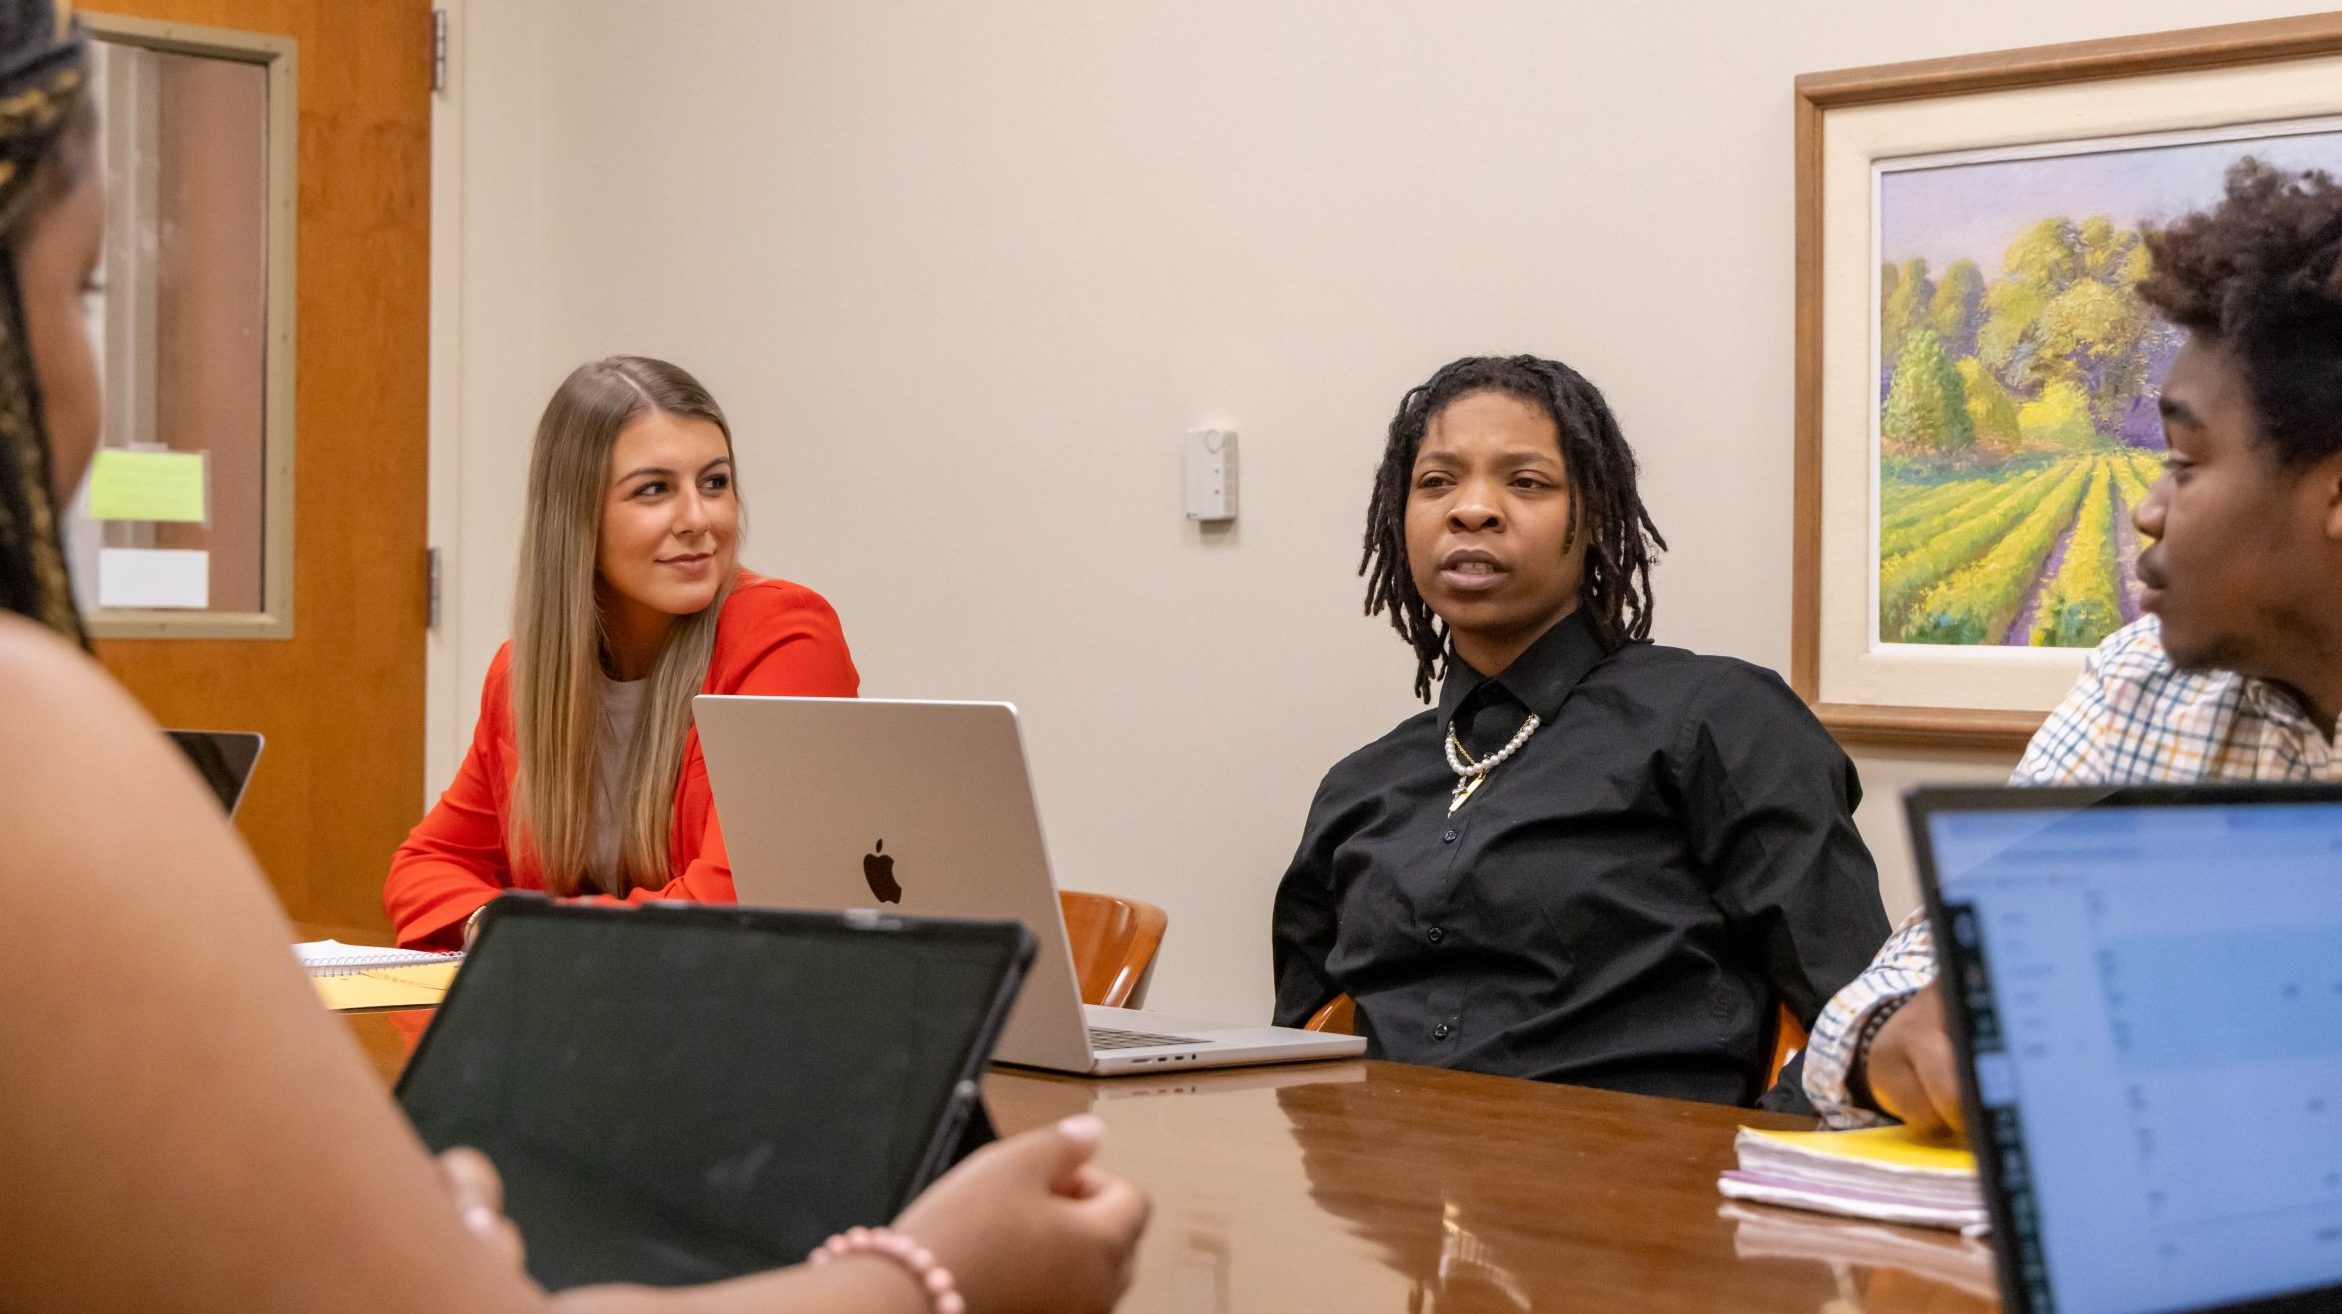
[1603,503]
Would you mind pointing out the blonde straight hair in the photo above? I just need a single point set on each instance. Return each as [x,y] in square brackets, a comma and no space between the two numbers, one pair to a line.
[558,640]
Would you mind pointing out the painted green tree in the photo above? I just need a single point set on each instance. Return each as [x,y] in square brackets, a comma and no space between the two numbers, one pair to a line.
[1927,407]
[1907,295]
[2066,311]
[1992,412]
[1956,311]
[2059,419]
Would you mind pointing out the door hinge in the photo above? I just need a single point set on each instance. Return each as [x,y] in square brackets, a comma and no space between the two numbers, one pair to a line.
[439,52]
[432,589]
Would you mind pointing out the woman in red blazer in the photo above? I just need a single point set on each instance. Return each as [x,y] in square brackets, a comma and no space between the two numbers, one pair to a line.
[585,775]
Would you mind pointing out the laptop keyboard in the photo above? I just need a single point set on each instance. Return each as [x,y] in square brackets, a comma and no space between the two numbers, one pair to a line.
[1109,1038]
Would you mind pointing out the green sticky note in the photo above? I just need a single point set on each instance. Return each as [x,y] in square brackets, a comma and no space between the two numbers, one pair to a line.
[146,485]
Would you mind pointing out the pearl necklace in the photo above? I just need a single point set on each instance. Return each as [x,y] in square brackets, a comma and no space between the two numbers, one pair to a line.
[1470,774]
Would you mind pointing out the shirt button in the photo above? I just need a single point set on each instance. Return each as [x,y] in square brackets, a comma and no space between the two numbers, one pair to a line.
[1442,1031]
[1447,837]
[1436,935]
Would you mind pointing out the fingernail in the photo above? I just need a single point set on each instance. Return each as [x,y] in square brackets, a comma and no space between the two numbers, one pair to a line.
[1083,1127]
[480,1219]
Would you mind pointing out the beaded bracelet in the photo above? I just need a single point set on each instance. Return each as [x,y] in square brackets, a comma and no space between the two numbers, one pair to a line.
[1858,1072]
[935,1281]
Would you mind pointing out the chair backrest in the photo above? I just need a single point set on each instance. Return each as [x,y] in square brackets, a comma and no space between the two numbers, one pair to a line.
[1114,941]
[1340,1015]
[1788,1038]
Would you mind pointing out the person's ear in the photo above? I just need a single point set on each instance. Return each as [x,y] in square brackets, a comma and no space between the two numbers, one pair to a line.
[2326,488]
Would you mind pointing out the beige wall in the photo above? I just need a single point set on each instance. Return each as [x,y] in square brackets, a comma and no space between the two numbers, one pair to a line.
[963,274]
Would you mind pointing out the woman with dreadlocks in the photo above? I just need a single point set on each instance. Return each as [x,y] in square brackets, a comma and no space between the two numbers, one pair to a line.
[1595,860]
[183,1127]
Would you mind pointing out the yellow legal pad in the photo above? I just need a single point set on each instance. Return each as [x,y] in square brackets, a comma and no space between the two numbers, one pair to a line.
[1886,1174]
[1887,1147]
[386,987]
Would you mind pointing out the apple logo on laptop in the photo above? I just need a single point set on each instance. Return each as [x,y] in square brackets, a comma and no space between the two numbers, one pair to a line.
[878,868]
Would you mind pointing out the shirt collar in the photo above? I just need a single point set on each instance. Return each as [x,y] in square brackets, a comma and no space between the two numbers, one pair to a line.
[1542,677]
[2279,703]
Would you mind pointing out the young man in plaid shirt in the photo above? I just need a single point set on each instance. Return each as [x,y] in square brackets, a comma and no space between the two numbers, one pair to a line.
[2235,672]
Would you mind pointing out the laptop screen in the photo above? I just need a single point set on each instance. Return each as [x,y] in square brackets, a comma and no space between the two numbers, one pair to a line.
[2155,1010]
[224,758]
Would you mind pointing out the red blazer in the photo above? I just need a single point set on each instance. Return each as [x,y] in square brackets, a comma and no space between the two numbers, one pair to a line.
[773,637]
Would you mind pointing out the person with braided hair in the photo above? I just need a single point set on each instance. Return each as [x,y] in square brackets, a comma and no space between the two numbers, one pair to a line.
[1595,860]
[48,159]
[183,1127]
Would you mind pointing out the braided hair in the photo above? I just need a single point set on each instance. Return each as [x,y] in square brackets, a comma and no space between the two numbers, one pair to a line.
[1604,505]
[45,131]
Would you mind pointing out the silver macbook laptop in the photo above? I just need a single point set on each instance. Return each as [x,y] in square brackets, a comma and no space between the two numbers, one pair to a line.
[926,807]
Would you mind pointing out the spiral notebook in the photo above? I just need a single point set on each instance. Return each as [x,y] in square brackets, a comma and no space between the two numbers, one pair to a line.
[353,977]
[1887,1174]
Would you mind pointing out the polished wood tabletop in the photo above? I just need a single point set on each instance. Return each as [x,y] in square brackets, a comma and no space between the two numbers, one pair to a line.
[1377,1187]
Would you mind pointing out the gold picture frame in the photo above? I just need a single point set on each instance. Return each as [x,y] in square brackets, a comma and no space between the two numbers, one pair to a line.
[2230,85]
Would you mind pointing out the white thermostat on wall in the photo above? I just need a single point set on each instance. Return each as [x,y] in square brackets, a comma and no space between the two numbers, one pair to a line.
[1211,475]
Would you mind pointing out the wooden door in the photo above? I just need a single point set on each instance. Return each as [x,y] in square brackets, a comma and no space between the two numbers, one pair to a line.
[341,701]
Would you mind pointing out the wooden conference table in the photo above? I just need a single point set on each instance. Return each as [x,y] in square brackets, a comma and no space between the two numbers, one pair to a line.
[1377,1187]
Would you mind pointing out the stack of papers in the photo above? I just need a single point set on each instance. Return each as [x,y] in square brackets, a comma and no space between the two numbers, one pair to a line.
[333,958]
[1887,1174]
[352,978]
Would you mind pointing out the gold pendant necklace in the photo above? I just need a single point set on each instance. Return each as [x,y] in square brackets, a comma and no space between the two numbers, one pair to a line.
[1465,788]
[1471,773]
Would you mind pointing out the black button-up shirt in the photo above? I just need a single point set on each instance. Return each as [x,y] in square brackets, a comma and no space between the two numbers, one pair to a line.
[1623,903]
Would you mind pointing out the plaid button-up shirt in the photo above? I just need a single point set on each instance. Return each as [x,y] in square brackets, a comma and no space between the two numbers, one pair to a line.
[2133,718]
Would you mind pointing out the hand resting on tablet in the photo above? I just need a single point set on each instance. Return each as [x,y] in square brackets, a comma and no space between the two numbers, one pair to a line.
[186,1129]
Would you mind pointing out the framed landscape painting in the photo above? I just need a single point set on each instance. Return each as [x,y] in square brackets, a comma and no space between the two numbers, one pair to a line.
[1977,375]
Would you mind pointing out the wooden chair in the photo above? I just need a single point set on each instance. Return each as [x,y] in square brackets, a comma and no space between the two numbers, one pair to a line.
[1114,941]
[1340,1015]
[1788,1038]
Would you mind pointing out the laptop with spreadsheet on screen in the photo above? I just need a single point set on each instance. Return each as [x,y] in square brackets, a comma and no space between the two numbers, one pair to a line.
[2145,989]
[841,803]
